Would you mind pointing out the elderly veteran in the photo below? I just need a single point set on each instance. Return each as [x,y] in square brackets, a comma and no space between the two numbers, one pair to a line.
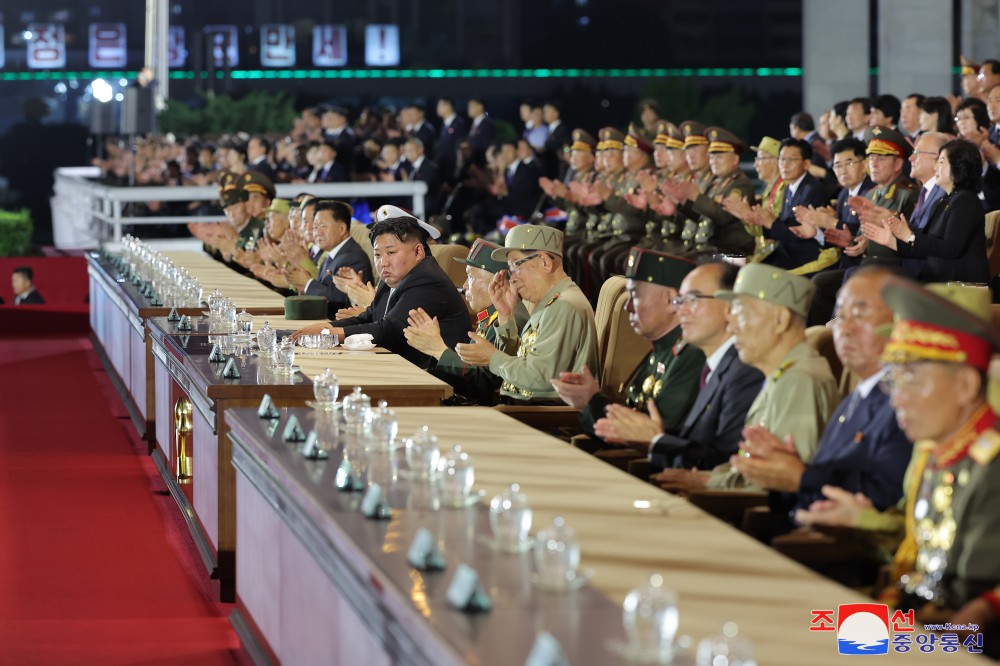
[473,384]
[411,278]
[946,567]
[560,335]
[768,319]
[668,375]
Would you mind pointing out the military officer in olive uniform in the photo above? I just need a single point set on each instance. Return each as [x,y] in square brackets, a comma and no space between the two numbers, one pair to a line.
[683,193]
[612,145]
[717,228]
[252,182]
[669,374]
[629,222]
[947,567]
[581,162]
[560,335]
[649,186]
[474,385]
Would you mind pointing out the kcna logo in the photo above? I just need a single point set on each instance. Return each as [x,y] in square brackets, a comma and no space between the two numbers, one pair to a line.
[863,629]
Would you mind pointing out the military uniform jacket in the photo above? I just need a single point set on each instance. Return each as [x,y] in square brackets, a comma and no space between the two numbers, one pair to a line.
[602,226]
[668,375]
[900,196]
[475,382]
[576,216]
[627,220]
[250,234]
[717,226]
[954,515]
[560,336]
[797,399]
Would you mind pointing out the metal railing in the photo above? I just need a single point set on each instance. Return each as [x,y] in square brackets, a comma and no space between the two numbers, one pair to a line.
[85,212]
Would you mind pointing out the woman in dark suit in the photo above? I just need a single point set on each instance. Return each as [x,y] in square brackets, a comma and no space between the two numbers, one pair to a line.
[953,244]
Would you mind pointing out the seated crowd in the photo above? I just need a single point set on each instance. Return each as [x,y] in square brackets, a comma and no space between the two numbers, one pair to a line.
[886,446]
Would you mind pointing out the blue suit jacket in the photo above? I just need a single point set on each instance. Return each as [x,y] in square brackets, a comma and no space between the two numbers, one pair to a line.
[793,251]
[921,218]
[714,426]
[351,254]
[867,453]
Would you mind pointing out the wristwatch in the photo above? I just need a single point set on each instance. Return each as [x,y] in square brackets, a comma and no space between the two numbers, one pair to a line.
[911,238]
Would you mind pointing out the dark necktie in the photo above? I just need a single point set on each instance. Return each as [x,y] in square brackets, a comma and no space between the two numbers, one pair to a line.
[703,378]
[920,203]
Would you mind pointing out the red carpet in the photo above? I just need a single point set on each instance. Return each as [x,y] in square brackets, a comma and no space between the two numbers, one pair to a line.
[95,565]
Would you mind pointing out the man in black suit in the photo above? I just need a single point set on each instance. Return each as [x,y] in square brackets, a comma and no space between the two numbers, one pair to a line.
[332,233]
[22,280]
[521,178]
[482,133]
[338,132]
[560,136]
[418,167]
[411,279]
[417,127]
[452,131]
[803,189]
[257,149]
[712,430]
[330,170]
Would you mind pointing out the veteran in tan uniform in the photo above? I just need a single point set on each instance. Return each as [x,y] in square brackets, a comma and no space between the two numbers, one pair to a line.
[560,335]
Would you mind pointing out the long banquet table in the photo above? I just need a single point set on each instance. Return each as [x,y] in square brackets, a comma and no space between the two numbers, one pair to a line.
[319,583]
[119,312]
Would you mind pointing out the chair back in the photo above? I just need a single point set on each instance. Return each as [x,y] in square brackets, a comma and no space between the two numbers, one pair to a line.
[820,338]
[619,347]
[454,269]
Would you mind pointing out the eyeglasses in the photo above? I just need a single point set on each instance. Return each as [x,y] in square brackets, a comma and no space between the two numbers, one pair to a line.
[789,160]
[688,300]
[761,158]
[901,379]
[924,152]
[515,266]
[845,164]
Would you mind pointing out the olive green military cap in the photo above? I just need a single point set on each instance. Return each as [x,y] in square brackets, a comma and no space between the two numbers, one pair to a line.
[480,257]
[282,206]
[583,141]
[768,146]
[611,139]
[528,238]
[694,133]
[660,268]
[254,181]
[722,140]
[887,141]
[773,285]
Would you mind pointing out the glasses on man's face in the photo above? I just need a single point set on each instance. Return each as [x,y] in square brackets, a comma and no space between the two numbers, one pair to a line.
[789,160]
[858,314]
[846,164]
[763,158]
[901,379]
[515,266]
[688,300]
[924,152]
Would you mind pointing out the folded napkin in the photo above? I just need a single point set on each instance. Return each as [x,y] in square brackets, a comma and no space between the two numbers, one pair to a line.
[359,340]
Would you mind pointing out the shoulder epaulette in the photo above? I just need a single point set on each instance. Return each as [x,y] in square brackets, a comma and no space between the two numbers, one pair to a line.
[986,447]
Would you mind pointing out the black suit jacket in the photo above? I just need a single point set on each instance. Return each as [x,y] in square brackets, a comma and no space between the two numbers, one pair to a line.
[447,147]
[714,426]
[426,135]
[523,190]
[337,173]
[991,188]
[953,242]
[867,453]
[482,137]
[265,168]
[793,251]
[33,298]
[427,286]
[344,142]
[352,255]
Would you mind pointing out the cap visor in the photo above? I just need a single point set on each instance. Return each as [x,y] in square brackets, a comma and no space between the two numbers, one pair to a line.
[431,230]
[501,253]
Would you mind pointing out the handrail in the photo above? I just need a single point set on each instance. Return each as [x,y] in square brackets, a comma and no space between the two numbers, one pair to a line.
[79,202]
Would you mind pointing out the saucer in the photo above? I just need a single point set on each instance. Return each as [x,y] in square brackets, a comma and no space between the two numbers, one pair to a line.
[324,407]
[633,655]
[368,347]
[471,499]
[580,578]
[520,547]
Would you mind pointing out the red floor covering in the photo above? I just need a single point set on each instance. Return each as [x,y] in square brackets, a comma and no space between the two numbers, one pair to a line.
[96,566]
